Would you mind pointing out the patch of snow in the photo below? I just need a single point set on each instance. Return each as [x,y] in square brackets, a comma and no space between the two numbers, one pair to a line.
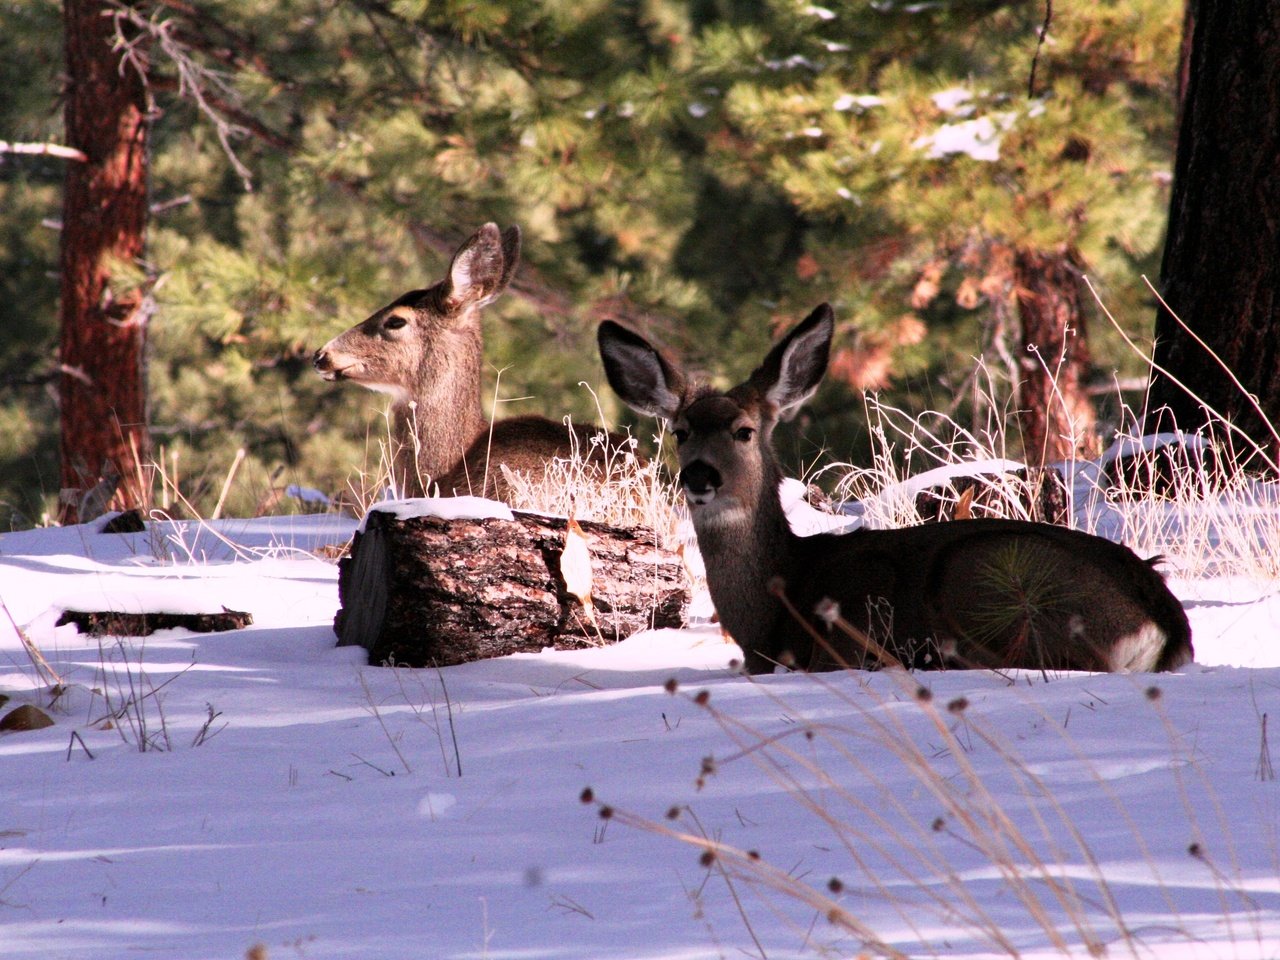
[327,818]
[796,61]
[860,102]
[978,139]
[307,494]
[445,508]
[1128,446]
[956,101]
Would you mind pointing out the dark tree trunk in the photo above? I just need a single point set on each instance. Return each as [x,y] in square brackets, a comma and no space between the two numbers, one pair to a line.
[1221,267]
[103,391]
[1056,418]
[428,591]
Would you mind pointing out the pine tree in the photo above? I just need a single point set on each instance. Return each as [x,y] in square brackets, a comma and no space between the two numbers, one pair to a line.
[947,192]
[1221,266]
[707,171]
[102,397]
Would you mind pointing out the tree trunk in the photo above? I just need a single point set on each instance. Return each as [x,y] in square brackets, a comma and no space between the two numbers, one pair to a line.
[103,391]
[429,591]
[1221,268]
[1056,418]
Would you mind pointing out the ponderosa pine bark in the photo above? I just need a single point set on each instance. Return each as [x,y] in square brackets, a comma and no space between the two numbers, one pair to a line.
[103,385]
[1054,412]
[1221,268]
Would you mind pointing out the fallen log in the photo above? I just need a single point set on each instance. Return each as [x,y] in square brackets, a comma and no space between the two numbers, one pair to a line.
[118,623]
[1024,493]
[430,590]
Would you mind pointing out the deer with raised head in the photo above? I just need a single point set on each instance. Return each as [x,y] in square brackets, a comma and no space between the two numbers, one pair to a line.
[425,349]
[970,593]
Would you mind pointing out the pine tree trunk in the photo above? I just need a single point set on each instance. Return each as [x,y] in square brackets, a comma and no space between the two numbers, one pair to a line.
[1056,418]
[1221,267]
[103,390]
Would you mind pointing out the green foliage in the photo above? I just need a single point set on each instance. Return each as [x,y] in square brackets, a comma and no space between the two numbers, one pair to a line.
[724,164]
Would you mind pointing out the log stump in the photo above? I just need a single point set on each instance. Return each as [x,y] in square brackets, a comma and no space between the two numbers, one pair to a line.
[425,590]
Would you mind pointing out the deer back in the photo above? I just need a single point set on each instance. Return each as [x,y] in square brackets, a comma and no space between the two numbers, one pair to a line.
[979,593]
[525,445]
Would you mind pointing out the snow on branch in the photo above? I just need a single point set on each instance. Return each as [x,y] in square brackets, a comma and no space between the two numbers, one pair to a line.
[44,150]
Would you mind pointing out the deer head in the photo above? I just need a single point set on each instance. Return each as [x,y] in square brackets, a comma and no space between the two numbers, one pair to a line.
[425,349]
[725,440]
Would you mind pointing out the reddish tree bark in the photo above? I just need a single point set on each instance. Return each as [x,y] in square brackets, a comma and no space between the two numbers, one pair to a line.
[1221,268]
[1056,417]
[103,385]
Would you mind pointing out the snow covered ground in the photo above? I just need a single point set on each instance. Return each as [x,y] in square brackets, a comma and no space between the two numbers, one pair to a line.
[334,810]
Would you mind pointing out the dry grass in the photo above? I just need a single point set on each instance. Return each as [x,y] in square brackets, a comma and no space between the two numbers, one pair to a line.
[944,830]
[928,451]
[616,487]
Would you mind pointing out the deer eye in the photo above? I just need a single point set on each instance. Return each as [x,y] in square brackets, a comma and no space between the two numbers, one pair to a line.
[744,434]
[395,323]
[681,435]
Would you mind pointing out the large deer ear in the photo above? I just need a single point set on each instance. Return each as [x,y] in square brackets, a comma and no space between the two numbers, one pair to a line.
[510,254]
[482,267]
[795,366]
[640,375]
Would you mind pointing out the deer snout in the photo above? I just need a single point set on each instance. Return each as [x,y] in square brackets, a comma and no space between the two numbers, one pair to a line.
[701,481]
[325,365]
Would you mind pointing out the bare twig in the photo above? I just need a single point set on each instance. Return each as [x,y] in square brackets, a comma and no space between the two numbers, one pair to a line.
[1035,58]
[453,731]
[46,673]
[76,738]
[211,91]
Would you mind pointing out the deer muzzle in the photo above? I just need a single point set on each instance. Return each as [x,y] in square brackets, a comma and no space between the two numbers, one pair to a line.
[325,365]
[701,482]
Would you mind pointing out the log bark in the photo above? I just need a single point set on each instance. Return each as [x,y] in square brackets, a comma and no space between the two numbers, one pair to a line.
[1054,412]
[429,591]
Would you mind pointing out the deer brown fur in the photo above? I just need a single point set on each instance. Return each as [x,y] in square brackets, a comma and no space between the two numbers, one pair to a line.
[425,349]
[978,592]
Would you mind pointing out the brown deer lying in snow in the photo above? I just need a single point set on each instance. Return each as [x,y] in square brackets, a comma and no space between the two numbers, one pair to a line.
[425,350]
[980,593]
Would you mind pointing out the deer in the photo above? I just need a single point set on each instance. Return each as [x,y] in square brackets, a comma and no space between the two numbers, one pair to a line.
[977,593]
[425,350]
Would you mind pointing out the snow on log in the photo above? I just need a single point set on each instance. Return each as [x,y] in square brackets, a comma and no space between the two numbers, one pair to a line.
[420,590]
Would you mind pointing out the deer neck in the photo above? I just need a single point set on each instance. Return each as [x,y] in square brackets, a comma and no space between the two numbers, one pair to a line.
[743,552]
[438,419]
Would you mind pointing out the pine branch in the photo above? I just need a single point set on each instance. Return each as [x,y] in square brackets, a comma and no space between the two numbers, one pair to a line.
[245,122]
[219,41]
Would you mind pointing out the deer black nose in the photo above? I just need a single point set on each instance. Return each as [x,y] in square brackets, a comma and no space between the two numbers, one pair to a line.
[321,360]
[700,478]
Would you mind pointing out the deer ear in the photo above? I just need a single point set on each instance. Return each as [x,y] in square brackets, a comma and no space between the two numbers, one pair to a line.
[640,375]
[795,366]
[510,254]
[480,269]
